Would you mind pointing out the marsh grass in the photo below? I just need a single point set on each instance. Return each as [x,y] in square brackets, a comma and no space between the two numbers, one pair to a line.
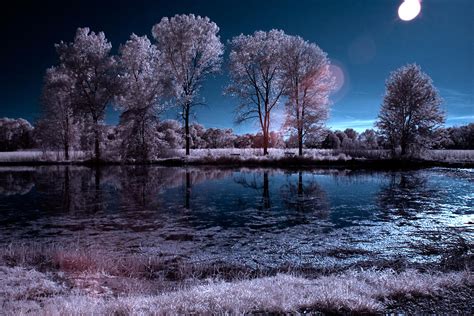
[55,280]
[91,261]
[455,252]
[353,292]
[80,260]
[52,280]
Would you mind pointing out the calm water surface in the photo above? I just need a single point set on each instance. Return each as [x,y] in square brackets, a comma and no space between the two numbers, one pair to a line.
[264,217]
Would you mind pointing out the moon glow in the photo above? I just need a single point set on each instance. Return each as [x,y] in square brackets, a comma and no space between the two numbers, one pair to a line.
[409,10]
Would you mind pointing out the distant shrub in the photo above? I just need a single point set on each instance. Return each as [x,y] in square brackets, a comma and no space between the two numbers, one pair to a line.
[15,134]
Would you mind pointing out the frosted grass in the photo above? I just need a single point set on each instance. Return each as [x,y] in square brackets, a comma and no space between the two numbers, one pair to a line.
[29,292]
[246,154]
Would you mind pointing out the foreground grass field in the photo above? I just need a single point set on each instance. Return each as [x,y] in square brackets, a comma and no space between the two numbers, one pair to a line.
[57,280]
[29,292]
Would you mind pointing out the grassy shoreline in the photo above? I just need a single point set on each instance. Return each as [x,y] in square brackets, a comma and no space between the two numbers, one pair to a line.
[76,281]
[359,292]
[312,158]
[293,162]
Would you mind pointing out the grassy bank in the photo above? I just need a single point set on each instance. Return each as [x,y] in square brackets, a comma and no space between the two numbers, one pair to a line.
[31,292]
[57,280]
[253,157]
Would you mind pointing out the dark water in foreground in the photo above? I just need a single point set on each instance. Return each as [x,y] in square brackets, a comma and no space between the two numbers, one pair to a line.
[264,217]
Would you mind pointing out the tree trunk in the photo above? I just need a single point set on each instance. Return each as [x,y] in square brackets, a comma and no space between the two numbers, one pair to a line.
[265,143]
[299,121]
[66,150]
[96,141]
[266,133]
[144,148]
[403,147]
[300,142]
[66,140]
[186,129]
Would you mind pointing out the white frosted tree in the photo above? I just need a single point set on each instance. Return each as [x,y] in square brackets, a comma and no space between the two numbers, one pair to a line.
[141,90]
[94,71]
[308,83]
[170,133]
[58,127]
[192,51]
[256,77]
[410,112]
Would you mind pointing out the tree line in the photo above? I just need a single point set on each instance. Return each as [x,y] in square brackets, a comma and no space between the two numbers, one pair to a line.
[148,77]
[266,69]
[19,134]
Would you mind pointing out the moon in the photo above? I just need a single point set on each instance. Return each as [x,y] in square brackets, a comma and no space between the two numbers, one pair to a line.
[409,10]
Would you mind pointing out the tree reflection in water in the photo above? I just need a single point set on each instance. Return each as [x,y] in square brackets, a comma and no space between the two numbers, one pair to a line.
[187,194]
[140,186]
[263,188]
[190,177]
[70,189]
[232,213]
[406,195]
[231,201]
[17,181]
[305,196]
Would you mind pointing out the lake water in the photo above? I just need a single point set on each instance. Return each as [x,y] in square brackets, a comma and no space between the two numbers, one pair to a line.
[251,217]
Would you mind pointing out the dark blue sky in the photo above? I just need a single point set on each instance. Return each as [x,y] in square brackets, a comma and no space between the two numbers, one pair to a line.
[364,38]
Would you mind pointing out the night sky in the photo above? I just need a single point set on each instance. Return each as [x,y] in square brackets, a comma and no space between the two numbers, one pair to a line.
[364,38]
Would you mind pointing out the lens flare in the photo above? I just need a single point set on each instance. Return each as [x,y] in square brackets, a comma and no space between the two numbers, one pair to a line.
[341,80]
[338,74]
[409,10]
